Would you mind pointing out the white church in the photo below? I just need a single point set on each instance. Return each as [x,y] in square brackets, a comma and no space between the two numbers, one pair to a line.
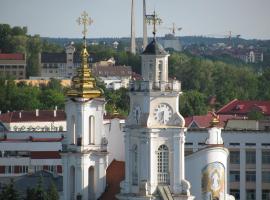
[154,140]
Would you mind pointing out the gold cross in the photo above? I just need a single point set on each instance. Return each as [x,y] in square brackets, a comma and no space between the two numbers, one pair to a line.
[154,20]
[84,20]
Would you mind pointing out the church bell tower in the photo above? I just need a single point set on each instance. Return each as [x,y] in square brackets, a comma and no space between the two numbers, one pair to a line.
[84,155]
[155,133]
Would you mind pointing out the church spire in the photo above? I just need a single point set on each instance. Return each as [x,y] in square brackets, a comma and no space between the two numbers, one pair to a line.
[84,84]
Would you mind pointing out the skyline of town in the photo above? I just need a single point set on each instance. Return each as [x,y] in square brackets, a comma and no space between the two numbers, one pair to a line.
[244,17]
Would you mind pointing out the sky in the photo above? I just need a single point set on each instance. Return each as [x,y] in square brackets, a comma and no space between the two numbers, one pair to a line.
[57,18]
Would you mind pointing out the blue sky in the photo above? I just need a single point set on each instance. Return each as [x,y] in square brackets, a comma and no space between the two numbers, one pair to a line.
[57,18]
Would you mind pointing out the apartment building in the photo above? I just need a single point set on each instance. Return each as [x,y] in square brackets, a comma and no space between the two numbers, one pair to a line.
[249,170]
[13,64]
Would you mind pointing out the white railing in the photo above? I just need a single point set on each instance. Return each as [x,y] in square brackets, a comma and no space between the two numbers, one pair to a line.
[163,178]
[173,85]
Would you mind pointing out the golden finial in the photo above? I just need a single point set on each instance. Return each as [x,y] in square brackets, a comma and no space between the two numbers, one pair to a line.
[153,20]
[215,119]
[83,84]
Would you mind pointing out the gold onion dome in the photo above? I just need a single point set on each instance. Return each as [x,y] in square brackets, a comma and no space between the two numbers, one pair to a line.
[84,84]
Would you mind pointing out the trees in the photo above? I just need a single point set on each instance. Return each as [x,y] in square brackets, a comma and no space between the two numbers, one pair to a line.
[53,193]
[9,192]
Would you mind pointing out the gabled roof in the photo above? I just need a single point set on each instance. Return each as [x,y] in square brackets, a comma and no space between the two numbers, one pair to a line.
[203,121]
[30,116]
[12,56]
[243,107]
[115,173]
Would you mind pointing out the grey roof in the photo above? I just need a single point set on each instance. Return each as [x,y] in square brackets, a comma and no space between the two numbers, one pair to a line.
[58,57]
[154,48]
[21,183]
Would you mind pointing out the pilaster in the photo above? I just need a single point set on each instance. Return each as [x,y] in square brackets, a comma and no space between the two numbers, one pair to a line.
[242,171]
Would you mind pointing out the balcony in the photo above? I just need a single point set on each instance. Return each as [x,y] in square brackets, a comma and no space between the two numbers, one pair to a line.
[146,86]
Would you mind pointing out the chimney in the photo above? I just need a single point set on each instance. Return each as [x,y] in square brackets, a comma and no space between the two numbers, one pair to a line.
[133,40]
[55,107]
[145,41]
[54,113]
[20,114]
[37,112]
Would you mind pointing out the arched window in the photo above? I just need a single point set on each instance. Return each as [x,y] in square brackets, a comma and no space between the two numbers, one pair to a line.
[163,165]
[91,130]
[134,165]
[73,130]
[72,182]
[91,183]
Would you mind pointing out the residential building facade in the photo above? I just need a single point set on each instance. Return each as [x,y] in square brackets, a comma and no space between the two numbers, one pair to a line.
[13,64]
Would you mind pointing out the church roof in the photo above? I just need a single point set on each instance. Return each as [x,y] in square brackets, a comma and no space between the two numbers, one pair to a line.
[154,48]
[114,175]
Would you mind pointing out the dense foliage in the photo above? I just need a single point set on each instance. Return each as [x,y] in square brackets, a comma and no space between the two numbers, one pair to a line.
[16,40]
[26,97]
[202,78]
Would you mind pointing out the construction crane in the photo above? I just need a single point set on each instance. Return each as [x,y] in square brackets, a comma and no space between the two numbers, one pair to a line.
[230,35]
[173,29]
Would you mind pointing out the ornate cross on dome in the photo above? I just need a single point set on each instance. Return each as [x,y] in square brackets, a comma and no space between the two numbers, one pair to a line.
[154,20]
[84,20]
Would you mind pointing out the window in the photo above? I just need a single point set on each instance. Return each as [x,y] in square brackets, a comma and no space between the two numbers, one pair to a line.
[266,157]
[91,130]
[9,169]
[250,157]
[234,157]
[266,177]
[234,176]
[265,194]
[23,169]
[235,193]
[163,164]
[251,176]
[135,165]
[251,194]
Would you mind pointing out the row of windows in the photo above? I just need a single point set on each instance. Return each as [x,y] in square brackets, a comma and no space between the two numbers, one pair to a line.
[251,194]
[13,73]
[12,66]
[250,157]
[25,169]
[250,176]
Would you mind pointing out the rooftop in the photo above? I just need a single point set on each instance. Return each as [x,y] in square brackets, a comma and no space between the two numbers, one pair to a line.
[12,56]
[31,116]
[243,107]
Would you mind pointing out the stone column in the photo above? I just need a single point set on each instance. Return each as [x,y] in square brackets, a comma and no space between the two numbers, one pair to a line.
[258,171]
[242,172]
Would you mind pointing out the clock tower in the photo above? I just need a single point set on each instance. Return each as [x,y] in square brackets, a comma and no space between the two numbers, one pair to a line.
[155,133]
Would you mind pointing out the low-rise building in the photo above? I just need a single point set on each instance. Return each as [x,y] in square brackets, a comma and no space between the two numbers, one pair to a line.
[113,76]
[60,65]
[13,64]
[38,120]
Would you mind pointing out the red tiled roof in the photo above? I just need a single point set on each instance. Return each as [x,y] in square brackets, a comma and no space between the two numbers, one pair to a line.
[11,56]
[45,155]
[30,116]
[114,175]
[31,139]
[242,108]
[203,121]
